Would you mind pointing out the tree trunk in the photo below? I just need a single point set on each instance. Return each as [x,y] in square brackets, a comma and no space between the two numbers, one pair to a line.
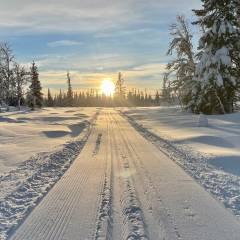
[19,104]
[34,103]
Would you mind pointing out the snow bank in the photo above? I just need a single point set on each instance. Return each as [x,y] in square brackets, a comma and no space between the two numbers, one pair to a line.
[210,153]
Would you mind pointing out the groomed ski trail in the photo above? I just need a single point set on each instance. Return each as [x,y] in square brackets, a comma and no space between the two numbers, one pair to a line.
[122,187]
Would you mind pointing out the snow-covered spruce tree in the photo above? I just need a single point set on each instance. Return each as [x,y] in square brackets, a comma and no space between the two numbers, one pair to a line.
[217,73]
[35,95]
[183,66]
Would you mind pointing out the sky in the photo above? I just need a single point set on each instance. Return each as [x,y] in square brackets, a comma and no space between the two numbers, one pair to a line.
[93,39]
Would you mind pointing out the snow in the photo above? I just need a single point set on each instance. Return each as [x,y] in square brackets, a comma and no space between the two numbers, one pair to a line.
[121,186]
[36,149]
[90,162]
[202,121]
[209,151]
[206,68]
[25,133]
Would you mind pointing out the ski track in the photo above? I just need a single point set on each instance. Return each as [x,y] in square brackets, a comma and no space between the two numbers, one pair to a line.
[104,217]
[133,219]
[135,227]
[152,197]
[98,142]
[223,187]
[113,191]
[46,170]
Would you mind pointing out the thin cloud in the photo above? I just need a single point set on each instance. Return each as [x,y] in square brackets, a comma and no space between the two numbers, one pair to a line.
[133,77]
[64,16]
[27,16]
[64,43]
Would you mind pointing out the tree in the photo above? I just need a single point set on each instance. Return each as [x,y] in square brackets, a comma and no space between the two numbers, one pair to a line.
[120,89]
[50,101]
[237,62]
[35,95]
[20,79]
[166,89]
[183,66]
[69,91]
[6,73]
[217,73]
[157,98]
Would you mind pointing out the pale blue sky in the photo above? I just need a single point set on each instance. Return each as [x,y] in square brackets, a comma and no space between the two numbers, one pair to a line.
[93,39]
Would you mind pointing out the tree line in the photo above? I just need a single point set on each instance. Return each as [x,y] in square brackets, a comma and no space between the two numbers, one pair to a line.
[19,85]
[92,97]
[207,80]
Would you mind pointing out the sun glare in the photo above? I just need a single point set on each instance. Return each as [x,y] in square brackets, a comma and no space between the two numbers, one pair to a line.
[108,87]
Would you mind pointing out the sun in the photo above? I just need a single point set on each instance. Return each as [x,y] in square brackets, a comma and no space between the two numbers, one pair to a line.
[108,87]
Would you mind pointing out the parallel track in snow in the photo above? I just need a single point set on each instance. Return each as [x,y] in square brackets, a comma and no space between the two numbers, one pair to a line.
[104,221]
[163,224]
[121,187]
[134,226]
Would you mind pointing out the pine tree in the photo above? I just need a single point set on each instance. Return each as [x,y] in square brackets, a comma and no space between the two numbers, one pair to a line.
[69,92]
[157,98]
[50,101]
[120,89]
[60,98]
[217,73]
[35,95]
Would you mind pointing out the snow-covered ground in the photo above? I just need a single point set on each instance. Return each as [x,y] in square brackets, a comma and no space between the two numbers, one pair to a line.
[25,133]
[98,178]
[210,154]
[36,148]
[122,187]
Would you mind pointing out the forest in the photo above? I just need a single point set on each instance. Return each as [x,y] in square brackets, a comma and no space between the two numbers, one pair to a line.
[205,79]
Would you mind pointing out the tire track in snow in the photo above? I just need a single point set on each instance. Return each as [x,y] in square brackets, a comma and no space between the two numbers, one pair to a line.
[160,218]
[132,211]
[163,218]
[104,218]
[134,226]
[97,145]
